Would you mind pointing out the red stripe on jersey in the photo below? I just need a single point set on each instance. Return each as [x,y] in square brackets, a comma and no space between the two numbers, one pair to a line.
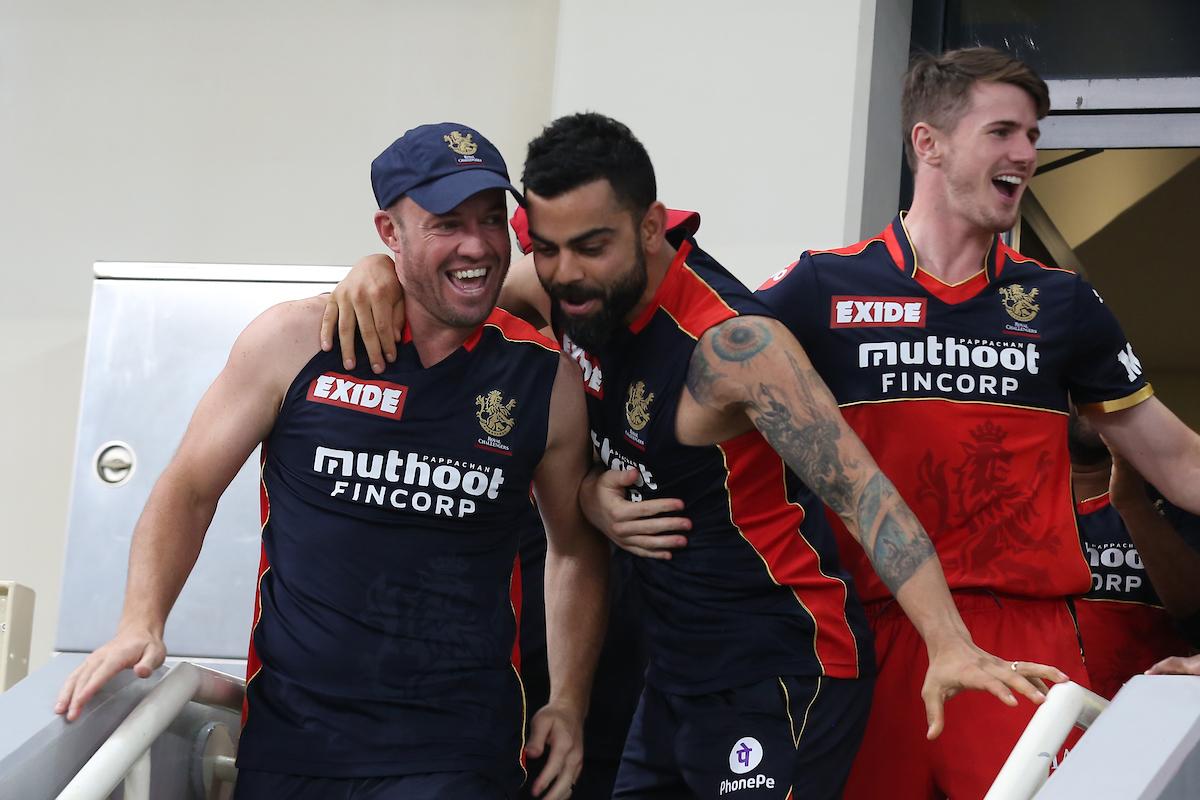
[759,508]
[1004,252]
[518,330]
[848,250]
[893,247]
[253,663]
[515,597]
[692,303]
[952,294]
[1092,504]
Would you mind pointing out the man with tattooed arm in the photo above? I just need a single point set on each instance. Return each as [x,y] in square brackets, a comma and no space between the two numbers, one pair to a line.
[761,665]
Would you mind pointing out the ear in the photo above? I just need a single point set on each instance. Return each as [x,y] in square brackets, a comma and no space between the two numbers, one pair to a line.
[385,226]
[926,143]
[654,228]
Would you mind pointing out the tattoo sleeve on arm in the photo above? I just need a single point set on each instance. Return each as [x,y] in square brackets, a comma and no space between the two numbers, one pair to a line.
[798,417]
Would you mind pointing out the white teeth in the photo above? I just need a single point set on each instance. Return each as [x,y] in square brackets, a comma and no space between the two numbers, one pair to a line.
[1013,179]
[464,274]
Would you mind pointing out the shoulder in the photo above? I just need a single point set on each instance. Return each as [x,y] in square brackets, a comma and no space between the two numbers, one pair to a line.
[518,331]
[279,341]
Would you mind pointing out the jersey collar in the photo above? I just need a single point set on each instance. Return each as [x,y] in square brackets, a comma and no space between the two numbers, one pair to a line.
[904,256]
[670,279]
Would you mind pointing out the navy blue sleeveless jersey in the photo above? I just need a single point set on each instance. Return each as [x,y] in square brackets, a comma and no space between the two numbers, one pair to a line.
[757,592]
[961,395]
[384,631]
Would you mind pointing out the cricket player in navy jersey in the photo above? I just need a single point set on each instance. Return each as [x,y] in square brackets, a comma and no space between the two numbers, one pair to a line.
[382,659]
[952,356]
[1144,557]
[760,669]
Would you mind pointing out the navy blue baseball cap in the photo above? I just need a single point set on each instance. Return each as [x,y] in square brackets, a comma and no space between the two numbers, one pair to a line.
[438,166]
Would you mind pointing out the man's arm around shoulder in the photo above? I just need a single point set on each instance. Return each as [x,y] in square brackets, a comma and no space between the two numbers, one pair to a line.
[235,414]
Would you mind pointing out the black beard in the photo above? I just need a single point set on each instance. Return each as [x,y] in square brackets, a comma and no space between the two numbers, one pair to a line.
[593,332]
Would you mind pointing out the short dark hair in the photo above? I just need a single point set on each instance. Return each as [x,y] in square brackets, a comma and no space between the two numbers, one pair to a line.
[581,148]
[937,89]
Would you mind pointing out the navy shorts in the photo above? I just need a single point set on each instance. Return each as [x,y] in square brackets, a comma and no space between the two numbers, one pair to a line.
[760,741]
[257,785]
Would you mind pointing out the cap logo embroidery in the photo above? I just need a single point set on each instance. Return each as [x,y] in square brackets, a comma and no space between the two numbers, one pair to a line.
[460,143]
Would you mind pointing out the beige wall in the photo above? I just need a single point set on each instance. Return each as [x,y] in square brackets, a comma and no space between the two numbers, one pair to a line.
[241,132]
[220,131]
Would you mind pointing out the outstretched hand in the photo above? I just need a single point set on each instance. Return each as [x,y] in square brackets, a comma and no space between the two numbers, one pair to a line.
[633,526]
[560,732]
[141,650]
[961,665]
[371,298]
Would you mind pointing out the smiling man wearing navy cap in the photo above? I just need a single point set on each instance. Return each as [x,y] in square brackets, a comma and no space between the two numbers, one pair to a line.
[382,660]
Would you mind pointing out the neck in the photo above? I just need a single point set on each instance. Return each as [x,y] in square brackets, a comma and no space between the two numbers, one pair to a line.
[657,264]
[433,339]
[1090,480]
[946,246]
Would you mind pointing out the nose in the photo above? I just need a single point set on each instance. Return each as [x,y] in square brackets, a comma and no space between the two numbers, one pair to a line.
[1024,151]
[473,243]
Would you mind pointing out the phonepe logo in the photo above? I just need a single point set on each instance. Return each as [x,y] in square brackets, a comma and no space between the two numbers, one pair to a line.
[380,398]
[877,312]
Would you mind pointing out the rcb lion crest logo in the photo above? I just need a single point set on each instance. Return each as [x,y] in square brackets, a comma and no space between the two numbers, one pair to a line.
[637,407]
[495,416]
[1019,303]
[460,144]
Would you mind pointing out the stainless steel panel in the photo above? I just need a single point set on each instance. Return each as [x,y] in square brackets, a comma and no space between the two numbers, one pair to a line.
[154,346]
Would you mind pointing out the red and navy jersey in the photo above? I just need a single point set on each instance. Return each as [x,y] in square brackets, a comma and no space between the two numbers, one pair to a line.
[384,630]
[961,395]
[757,592]
[1122,624]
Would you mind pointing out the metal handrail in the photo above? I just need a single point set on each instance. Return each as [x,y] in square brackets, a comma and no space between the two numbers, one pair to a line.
[1028,766]
[126,752]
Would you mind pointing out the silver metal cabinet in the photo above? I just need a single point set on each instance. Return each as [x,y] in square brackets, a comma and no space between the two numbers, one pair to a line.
[158,335]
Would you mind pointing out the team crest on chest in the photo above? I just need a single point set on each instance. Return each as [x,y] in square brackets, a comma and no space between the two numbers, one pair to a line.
[495,415]
[637,407]
[1019,303]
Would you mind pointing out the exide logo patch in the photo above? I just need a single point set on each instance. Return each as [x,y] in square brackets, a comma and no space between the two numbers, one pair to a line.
[882,312]
[380,398]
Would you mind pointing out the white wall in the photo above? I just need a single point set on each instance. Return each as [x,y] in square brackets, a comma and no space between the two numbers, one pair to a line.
[755,114]
[242,132]
[219,131]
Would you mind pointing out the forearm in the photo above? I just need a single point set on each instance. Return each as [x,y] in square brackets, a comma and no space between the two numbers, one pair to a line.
[165,545]
[1172,565]
[576,618]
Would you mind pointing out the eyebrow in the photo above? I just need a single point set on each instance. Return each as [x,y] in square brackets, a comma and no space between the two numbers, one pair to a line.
[574,240]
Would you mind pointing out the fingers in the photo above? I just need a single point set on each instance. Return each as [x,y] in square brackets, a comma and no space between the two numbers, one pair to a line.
[328,323]
[935,715]
[1030,679]
[152,658]
[346,324]
[1173,665]
[557,777]
[370,335]
[63,701]
[618,478]
[384,329]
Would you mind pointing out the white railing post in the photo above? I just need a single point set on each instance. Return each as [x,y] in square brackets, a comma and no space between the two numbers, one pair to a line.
[129,744]
[1028,765]
[137,781]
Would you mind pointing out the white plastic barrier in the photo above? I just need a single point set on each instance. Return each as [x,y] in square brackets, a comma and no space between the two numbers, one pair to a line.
[1028,766]
[126,753]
